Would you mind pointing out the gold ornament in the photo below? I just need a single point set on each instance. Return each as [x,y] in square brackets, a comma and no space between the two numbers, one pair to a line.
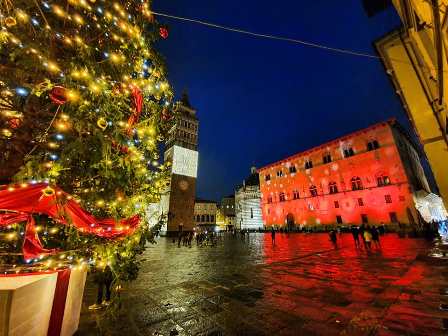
[48,191]
[10,21]
[102,123]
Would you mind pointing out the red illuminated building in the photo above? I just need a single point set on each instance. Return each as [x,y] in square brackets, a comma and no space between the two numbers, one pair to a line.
[368,176]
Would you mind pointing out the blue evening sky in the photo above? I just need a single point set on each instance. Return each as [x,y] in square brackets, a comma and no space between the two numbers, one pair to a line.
[260,100]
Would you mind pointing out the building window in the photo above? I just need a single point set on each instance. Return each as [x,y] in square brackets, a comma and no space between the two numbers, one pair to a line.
[207,218]
[356,183]
[339,219]
[267,177]
[279,173]
[349,152]
[401,198]
[295,194]
[251,213]
[382,180]
[282,197]
[333,188]
[364,219]
[336,204]
[393,217]
[313,191]
[308,164]
[292,169]
[373,145]
[269,199]
[203,218]
[212,218]
[360,202]
[198,218]
[327,158]
[388,198]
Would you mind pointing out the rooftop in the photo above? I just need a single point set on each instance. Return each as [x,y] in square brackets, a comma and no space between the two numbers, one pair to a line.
[389,122]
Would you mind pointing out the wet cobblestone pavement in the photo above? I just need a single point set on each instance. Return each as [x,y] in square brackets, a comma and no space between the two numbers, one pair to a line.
[300,286]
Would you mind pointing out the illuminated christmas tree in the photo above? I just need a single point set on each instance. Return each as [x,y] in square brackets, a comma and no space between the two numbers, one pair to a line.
[84,105]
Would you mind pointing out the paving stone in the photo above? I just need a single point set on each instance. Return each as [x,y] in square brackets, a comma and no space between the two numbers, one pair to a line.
[302,286]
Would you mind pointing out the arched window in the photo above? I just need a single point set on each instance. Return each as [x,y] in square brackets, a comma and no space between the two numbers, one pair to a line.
[198,218]
[313,191]
[333,188]
[356,183]
[208,218]
[203,218]
[383,180]
[282,197]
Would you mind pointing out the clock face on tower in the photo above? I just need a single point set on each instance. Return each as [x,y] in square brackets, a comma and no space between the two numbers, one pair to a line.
[183,185]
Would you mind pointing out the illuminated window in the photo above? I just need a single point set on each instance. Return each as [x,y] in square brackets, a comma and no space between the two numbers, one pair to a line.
[308,164]
[333,188]
[349,152]
[279,173]
[295,194]
[339,219]
[360,202]
[356,183]
[313,191]
[292,169]
[336,204]
[327,158]
[267,177]
[282,197]
[388,198]
[383,181]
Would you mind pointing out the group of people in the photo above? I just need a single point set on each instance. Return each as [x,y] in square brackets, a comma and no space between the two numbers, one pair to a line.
[203,238]
[369,235]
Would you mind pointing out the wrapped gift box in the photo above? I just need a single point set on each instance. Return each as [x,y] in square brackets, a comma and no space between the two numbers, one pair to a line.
[26,303]
[41,304]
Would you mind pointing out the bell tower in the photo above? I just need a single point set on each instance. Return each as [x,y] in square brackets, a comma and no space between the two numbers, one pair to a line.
[181,150]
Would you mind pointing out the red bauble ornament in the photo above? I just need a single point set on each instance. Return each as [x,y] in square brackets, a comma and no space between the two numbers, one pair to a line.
[166,115]
[14,123]
[58,95]
[163,32]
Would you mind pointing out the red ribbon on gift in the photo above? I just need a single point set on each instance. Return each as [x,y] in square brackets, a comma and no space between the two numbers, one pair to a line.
[20,203]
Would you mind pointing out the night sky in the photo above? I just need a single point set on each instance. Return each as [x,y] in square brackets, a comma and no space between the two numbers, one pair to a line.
[260,100]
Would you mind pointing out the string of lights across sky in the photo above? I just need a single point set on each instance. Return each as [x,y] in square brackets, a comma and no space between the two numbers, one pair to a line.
[286,39]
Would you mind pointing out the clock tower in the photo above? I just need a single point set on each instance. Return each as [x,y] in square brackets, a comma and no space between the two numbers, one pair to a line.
[181,150]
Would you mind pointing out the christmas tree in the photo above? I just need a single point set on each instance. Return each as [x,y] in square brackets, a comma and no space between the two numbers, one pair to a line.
[84,106]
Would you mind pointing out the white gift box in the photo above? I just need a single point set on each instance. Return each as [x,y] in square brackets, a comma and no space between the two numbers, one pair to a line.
[26,303]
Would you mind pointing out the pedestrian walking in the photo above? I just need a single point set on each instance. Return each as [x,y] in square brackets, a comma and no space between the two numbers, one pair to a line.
[273,235]
[334,238]
[362,229]
[355,233]
[103,278]
[376,237]
[368,237]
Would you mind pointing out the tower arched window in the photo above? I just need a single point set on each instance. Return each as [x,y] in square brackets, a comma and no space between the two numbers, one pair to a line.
[313,191]
[333,187]
[356,183]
